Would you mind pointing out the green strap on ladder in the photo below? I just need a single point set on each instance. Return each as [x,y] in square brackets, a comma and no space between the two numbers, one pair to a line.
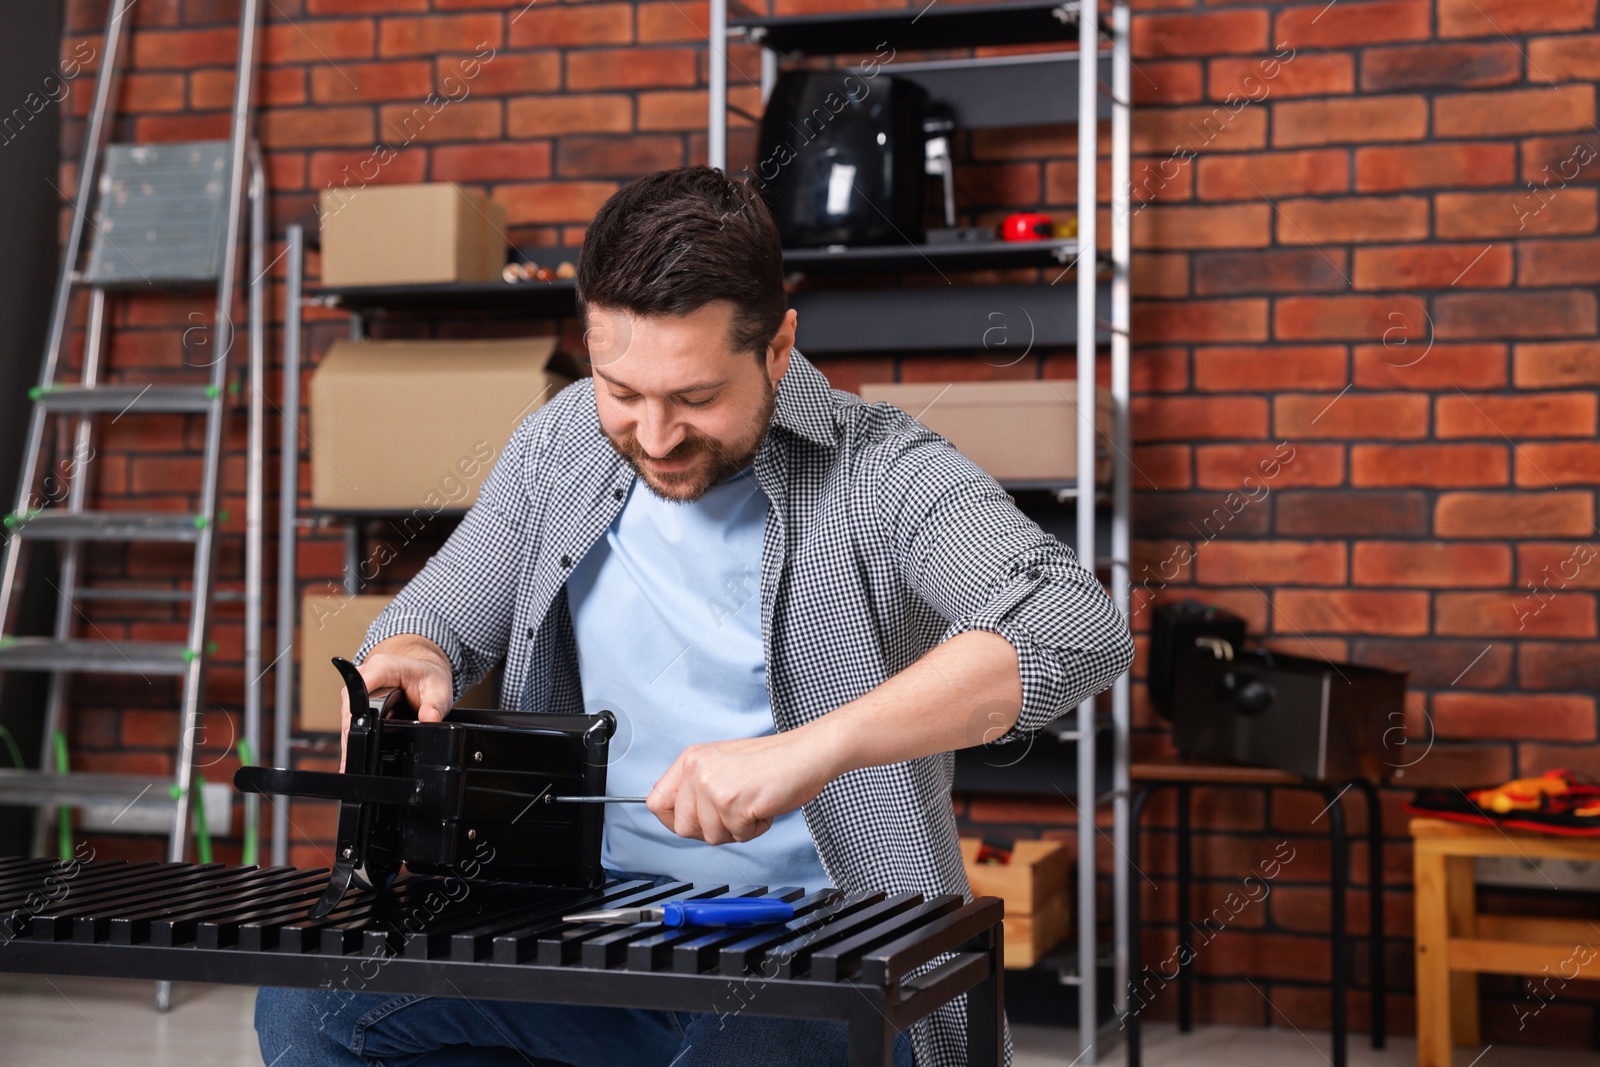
[64,814]
[197,804]
[248,859]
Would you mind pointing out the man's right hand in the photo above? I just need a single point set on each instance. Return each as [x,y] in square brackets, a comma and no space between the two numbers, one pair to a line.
[411,663]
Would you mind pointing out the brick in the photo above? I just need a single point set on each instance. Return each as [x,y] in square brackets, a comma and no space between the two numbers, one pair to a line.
[501,161]
[1281,466]
[1349,121]
[1272,563]
[1519,515]
[617,157]
[1359,415]
[1157,274]
[1541,466]
[1352,220]
[1430,564]
[1569,58]
[1458,767]
[1513,614]
[1257,78]
[428,35]
[1165,418]
[1271,271]
[1273,174]
[179,49]
[1498,18]
[1384,170]
[1522,416]
[1558,665]
[1530,314]
[1439,664]
[1559,262]
[1343,514]
[1433,66]
[1183,226]
[275,87]
[1536,759]
[549,116]
[1014,185]
[1553,363]
[152,92]
[469,120]
[1206,516]
[1324,26]
[1428,466]
[1521,214]
[1349,611]
[670,22]
[1537,718]
[630,68]
[505,74]
[1161,466]
[354,82]
[1555,565]
[1210,34]
[1433,266]
[1190,130]
[572,24]
[1551,163]
[1348,318]
[558,201]
[311,127]
[1173,81]
[1515,112]
[1200,320]
[354,168]
[685,109]
[1229,370]
[321,41]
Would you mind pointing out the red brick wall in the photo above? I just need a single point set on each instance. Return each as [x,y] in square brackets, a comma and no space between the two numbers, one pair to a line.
[1366,249]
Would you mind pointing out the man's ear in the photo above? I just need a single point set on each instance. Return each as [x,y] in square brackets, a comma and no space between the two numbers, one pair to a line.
[782,342]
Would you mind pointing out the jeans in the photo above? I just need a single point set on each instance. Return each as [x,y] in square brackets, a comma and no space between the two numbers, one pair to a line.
[339,1028]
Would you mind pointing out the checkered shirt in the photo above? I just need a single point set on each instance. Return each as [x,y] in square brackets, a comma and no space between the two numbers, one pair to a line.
[882,541]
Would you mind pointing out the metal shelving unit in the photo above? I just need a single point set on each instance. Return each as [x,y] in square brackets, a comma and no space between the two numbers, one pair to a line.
[990,92]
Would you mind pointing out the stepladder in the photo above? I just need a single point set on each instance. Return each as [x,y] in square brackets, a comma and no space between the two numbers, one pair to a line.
[156,237]
[1455,942]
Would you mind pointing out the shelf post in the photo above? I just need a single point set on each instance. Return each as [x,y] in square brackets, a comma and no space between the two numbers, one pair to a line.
[288,506]
[1088,144]
[717,128]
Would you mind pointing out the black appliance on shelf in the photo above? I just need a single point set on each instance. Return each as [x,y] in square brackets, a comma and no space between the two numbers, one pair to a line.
[1321,720]
[843,158]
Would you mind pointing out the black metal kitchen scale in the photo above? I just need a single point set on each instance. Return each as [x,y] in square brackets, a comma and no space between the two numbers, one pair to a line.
[484,795]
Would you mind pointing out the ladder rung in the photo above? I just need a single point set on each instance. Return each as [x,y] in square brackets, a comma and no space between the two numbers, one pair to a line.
[93,657]
[37,788]
[132,399]
[57,525]
[163,596]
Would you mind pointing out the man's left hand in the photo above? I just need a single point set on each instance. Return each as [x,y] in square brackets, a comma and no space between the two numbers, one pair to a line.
[724,791]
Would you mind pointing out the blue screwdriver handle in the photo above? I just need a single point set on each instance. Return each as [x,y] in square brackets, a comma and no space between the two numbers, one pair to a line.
[726,911]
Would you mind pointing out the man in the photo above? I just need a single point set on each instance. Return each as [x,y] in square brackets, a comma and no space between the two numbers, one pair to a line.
[797,604]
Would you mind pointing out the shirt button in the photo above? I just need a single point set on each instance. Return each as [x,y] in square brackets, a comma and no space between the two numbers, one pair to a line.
[1033,573]
[530,633]
[566,561]
[619,494]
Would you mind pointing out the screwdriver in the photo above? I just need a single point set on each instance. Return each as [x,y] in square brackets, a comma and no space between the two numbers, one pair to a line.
[716,911]
[553,800]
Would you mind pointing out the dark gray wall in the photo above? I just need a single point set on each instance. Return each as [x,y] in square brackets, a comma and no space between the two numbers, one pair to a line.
[29,152]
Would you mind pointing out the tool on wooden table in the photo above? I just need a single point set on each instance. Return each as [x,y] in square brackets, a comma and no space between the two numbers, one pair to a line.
[716,911]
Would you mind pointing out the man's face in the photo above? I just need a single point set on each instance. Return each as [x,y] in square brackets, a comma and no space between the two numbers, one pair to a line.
[675,401]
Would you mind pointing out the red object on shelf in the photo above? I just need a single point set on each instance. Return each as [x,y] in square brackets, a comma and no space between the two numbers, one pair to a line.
[1026,226]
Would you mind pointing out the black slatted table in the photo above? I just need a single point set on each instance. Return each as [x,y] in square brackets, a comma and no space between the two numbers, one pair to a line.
[846,957]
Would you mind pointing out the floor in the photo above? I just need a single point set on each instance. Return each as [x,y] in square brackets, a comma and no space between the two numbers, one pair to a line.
[45,1022]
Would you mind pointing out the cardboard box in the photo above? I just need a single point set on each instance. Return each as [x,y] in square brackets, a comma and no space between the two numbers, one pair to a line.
[405,425]
[1017,431]
[336,626]
[1034,886]
[411,234]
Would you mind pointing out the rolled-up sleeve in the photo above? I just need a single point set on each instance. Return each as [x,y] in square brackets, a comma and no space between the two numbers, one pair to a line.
[464,598]
[971,553]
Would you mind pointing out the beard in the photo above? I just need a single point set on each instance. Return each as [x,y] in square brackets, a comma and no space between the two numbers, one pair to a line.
[715,460]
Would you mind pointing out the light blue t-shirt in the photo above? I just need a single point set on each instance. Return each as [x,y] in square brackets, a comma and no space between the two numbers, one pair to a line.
[666,611]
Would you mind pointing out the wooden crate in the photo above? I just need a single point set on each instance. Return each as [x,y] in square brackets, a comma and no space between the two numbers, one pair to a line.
[1034,886]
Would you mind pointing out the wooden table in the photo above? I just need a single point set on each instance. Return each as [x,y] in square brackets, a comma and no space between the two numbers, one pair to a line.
[1455,943]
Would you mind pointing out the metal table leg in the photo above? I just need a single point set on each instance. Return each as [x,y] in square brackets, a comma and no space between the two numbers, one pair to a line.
[1135,968]
[1185,890]
[1341,886]
[1375,965]
[985,1003]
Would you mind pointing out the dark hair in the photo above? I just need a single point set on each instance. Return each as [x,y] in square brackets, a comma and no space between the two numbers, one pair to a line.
[673,241]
